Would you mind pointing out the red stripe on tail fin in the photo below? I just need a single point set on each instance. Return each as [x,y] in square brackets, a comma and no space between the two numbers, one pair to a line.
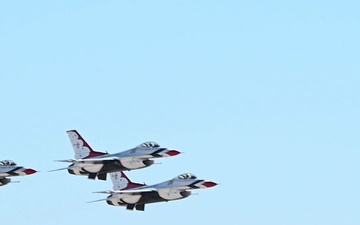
[81,148]
[130,183]
[122,182]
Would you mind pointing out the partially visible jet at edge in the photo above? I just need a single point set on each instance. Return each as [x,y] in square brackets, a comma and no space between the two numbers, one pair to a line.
[136,195]
[97,164]
[8,168]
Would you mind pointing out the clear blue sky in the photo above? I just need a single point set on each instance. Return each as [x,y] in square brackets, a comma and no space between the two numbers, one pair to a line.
[262,96]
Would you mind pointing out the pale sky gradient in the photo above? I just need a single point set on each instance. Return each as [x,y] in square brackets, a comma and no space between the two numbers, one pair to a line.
[261,96]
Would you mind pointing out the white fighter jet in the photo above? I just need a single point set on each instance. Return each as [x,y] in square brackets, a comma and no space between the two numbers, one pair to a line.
[8,168]
[136,195]
[98,164]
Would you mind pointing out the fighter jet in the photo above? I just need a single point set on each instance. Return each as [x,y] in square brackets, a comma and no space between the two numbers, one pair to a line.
[97,164]
[136,195]
[8,168]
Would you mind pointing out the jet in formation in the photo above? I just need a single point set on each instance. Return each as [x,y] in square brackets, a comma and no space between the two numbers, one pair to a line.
[94,164]
[8,168]
[136,196]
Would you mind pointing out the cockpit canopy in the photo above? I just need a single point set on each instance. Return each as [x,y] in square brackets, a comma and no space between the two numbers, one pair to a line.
[7,163]
[187,176]
[149,144]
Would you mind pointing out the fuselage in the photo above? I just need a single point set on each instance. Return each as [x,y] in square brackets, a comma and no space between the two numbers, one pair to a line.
[97,163]
[8,168]
[174,189]
[108,166]
[132,159]
[11,171]
[147,198]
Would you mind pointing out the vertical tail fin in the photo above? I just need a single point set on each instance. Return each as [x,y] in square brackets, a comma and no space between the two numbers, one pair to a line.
[121,181]
[81,148]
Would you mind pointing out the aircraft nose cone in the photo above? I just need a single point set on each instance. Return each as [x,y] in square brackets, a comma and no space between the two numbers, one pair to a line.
[172,152]
[209,184]
[29,171]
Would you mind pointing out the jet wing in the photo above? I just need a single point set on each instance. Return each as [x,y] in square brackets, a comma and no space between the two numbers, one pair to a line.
[99,200]
[104,199]
[99,160]
[90,161]
[130,191]
[66,160]
[72,167]
[136,191]
[65,168]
